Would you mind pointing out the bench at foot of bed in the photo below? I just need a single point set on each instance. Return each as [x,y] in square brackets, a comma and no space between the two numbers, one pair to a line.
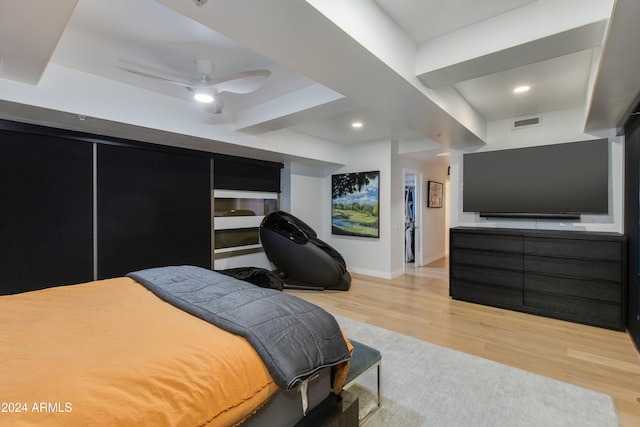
[334,411]
[363,360]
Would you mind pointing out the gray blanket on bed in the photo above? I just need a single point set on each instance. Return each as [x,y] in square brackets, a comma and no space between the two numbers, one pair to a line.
[294,338]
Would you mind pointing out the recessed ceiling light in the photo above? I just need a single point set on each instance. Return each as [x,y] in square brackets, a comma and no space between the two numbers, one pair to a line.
[356,125]
[521,89]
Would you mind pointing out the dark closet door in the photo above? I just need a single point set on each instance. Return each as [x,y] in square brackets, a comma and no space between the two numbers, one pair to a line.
[46,214]
[631,226]
[154,209]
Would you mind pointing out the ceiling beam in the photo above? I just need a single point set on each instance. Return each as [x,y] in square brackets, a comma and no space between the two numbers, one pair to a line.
[536,50]
[617,88]
[29,33]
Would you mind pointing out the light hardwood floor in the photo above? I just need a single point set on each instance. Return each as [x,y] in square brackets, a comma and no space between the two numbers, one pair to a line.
[418,304]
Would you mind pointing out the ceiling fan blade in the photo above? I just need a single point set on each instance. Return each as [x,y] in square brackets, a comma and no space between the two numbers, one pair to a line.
[243,82]
[163,79]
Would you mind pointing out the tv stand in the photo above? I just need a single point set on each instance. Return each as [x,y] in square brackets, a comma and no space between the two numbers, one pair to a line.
[570,275]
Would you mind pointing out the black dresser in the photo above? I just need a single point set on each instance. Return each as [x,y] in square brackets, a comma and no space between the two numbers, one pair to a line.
[569,275]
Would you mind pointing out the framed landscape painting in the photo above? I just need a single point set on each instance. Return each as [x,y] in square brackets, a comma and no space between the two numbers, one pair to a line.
[354,204]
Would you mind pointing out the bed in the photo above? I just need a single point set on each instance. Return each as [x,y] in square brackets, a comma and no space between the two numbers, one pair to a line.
[116,352]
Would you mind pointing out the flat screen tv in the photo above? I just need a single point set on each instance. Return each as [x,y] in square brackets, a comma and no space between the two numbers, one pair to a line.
[552,181]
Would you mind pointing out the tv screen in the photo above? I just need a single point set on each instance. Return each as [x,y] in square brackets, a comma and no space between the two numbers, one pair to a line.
[570,178]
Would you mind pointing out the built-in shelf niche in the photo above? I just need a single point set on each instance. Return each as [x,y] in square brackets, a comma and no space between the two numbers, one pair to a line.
[237,216]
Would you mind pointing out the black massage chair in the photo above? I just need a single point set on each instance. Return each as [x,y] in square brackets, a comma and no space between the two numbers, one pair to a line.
[303,260]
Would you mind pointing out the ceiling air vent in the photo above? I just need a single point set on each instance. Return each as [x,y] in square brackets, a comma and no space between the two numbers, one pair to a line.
[525,122]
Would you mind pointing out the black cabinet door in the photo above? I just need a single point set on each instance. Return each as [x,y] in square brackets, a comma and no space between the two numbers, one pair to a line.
[153,209]
[46,216]
[632,225]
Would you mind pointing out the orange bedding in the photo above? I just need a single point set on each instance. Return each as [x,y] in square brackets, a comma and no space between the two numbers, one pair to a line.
[111,353]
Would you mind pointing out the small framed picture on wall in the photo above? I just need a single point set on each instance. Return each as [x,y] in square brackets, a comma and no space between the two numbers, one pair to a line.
[434,194]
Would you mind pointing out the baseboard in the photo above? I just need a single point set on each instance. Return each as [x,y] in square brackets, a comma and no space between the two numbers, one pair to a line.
[397,273]
[393,274]
[373,273]
[432,259]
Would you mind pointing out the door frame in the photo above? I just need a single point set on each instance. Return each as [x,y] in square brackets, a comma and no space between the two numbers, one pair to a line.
[417,202]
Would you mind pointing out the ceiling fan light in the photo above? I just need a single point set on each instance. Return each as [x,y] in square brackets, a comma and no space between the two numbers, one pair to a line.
[203,97]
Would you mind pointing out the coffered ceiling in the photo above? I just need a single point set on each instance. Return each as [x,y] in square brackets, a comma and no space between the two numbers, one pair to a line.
[427,73]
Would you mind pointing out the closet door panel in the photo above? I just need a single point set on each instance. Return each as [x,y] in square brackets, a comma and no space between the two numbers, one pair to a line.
[154,209]
[632,224]
[47,210]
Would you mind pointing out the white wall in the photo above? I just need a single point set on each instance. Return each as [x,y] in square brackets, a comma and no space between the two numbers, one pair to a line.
[434,220]
[367,255]
[558,127]
[396,226]
[308,197]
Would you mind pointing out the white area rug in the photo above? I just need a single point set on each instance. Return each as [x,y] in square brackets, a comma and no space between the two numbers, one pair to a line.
[427,385]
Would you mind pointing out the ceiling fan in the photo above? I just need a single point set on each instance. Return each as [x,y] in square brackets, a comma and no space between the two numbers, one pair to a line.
[207,89]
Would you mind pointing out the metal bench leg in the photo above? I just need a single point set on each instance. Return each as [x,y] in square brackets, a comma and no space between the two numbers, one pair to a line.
[379,395]
[379,399]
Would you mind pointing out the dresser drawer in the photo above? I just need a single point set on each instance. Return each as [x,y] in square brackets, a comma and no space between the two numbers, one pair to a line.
[487,242]
[581,269]
[562,286]
[603,250]
[490,276]
[487,259]
[567,308]
[482,294]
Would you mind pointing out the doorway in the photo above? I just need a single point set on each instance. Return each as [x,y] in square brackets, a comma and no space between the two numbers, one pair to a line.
[412,211]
